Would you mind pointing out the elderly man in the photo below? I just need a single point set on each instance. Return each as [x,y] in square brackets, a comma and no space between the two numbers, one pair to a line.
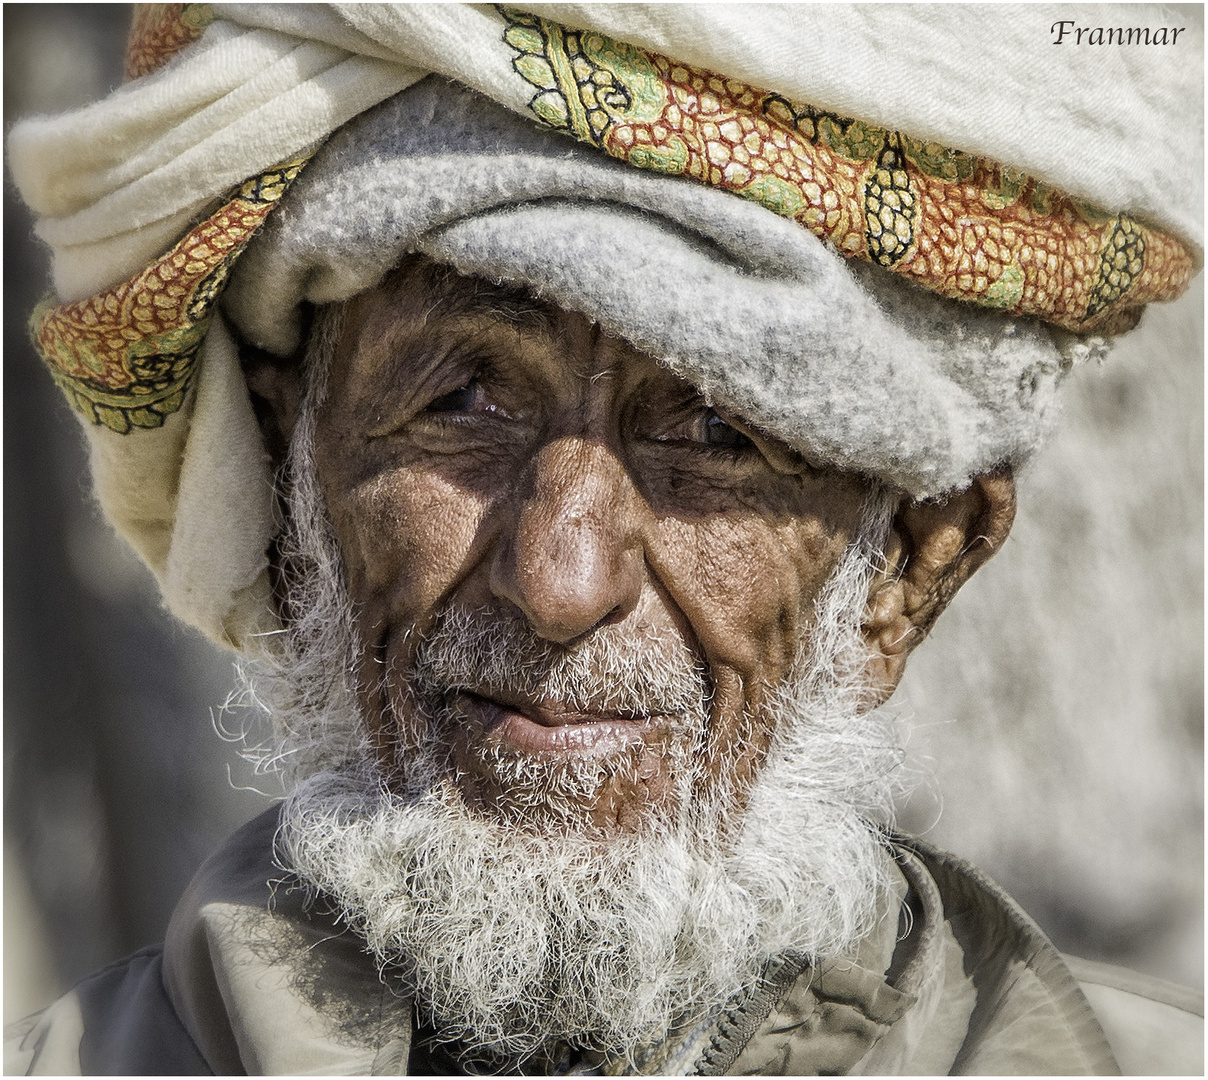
[618,477]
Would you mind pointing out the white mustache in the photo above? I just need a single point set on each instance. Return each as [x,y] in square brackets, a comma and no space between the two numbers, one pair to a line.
[617,670]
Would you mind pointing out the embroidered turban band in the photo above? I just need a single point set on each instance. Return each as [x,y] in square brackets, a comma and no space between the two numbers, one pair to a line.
[958,225]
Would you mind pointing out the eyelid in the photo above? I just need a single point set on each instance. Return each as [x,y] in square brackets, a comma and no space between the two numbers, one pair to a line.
[445,373]
[432,370]
[692,414]
[782,458]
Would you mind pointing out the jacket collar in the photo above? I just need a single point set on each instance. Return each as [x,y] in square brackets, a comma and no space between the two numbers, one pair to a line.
[266,981]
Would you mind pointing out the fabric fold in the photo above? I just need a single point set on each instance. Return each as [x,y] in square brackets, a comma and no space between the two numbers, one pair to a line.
[759,104]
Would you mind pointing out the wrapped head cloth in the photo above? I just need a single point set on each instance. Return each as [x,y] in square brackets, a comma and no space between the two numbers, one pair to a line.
[828,219]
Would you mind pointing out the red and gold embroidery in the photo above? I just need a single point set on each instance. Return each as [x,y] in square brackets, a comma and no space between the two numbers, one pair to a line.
[159,31]
[125,357]
[962,226]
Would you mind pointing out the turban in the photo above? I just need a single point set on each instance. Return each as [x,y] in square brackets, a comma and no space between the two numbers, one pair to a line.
[791,175]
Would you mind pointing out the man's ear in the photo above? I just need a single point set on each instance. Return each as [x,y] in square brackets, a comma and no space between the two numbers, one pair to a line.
[933,548]
[276,388]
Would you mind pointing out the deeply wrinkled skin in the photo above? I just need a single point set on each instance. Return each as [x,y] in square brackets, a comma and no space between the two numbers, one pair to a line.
[484,450]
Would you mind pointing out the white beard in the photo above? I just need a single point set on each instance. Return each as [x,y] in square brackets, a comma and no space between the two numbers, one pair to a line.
[514,939]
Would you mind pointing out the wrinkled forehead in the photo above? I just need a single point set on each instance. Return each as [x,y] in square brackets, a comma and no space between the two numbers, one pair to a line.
[419,290]
[425,313]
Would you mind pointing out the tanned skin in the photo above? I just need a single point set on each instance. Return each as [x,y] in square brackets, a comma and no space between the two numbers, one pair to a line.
[485,449]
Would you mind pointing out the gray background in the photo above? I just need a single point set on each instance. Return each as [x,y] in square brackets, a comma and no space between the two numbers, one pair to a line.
[1055,717]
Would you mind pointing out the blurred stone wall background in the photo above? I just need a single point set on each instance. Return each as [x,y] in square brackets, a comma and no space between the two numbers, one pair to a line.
[1058,706]
[115,784]
[1055,717]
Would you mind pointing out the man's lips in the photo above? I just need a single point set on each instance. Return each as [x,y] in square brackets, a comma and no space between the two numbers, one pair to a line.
[551,727]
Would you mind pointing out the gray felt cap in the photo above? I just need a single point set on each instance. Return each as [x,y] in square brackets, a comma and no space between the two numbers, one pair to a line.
[841,360]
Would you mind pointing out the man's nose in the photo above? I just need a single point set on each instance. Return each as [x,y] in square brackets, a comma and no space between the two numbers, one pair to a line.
[572,558]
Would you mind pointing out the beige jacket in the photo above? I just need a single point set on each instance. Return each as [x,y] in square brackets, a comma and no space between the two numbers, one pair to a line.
[250,981]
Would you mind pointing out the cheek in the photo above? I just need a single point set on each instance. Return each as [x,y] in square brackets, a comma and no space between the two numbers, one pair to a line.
[746,586]
[407,536]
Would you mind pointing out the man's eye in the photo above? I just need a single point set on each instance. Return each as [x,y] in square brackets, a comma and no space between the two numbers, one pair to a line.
[471,398]
[463,399]
[703,427]
[718,433]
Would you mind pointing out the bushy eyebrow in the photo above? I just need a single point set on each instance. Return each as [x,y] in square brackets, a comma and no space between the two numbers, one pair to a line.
[424,307]
[453,296]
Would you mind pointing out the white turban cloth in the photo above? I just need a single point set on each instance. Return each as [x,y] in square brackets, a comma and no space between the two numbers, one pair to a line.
[840,359]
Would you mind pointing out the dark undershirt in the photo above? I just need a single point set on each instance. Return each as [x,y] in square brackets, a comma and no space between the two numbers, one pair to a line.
[432,1058]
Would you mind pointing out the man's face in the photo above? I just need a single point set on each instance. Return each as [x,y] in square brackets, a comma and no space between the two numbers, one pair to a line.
[483,454]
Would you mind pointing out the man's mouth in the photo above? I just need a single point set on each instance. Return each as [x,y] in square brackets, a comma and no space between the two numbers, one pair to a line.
[551,727]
